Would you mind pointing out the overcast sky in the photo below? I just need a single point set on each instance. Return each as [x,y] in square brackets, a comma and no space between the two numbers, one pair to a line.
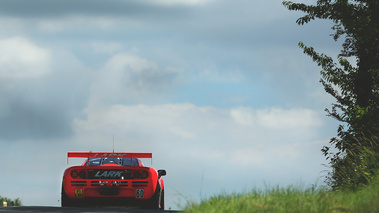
[217,90]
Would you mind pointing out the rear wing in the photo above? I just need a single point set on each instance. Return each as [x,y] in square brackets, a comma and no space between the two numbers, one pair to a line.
[108,155]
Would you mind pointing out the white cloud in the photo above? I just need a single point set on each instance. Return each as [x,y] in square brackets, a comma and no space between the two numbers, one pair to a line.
[243,116]
[121,62]
[182,133]
[187,128]
[276,118]
[20,58]
[157,120]
[129,77]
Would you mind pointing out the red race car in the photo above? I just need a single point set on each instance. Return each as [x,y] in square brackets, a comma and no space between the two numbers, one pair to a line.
[112,178]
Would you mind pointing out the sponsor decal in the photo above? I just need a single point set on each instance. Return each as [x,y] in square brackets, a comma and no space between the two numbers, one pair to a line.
[109,155]
[108,174]
[78,193]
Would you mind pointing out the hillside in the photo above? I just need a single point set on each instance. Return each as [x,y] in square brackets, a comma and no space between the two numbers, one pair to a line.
[366,199]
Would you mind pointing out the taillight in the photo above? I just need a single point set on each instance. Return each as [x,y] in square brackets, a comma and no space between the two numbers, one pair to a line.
[144,175]
[74,174]
[140,175]
[82,174]
[137,174]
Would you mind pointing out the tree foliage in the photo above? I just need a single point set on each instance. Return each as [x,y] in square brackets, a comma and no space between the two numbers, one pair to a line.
[354,86]
[15,202]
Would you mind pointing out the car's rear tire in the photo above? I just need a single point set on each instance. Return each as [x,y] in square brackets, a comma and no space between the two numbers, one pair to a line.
[162,200]
[66,201]
[153,202]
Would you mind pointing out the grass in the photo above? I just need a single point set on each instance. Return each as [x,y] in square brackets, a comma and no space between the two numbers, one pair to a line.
[292,199]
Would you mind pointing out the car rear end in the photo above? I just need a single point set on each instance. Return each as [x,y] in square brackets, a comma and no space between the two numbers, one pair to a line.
[84,183]
[110,184]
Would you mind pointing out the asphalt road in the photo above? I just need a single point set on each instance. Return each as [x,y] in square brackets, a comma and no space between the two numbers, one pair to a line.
[81,210]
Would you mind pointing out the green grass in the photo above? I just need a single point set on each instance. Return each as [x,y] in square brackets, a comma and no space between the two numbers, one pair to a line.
[366,199]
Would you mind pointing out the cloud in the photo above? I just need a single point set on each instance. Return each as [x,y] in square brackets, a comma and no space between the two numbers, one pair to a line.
[215,75]
[288,119]
[19,58]
[73,23]
[187,128]
[130,78]
[178,2]
[62,8]
[40,91]
[108,48]
[23,120]
[276,118]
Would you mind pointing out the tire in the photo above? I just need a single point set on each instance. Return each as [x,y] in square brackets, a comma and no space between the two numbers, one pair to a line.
[66,201]
[153,202]
[162,200]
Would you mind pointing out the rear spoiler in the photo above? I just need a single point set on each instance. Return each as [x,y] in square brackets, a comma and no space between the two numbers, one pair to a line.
[107,155]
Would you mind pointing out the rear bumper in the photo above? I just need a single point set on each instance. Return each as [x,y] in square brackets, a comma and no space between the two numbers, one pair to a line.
[100,188]
[109,201]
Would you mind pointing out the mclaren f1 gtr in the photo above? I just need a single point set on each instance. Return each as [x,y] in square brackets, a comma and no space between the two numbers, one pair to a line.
[112,178]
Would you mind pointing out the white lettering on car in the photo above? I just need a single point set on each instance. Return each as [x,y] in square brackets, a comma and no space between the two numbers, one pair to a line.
[101,175]
[117,174]
[109,174]
[110,155]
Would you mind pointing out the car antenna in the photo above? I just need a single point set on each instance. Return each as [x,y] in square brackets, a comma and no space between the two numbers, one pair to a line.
[113,143]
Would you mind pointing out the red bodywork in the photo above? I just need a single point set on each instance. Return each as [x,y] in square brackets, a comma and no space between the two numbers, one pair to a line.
[109,182]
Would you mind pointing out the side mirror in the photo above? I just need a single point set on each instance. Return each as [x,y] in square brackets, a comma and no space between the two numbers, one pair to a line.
[161,172]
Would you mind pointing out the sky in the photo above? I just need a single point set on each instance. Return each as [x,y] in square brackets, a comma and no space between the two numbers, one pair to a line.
[217,90]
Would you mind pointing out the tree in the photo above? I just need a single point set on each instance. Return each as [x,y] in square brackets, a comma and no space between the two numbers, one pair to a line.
[15,202]
[355,87]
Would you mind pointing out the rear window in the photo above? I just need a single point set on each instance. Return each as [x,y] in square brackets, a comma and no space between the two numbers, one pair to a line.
[127,162]
[94,162]
[118,161]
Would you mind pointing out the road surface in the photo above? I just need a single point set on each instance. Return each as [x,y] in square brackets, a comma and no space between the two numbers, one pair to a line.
[33,209]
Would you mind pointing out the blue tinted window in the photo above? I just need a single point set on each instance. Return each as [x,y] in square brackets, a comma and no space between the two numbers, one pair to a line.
[126,162]
[118,161]
[111,161]
[94,162]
